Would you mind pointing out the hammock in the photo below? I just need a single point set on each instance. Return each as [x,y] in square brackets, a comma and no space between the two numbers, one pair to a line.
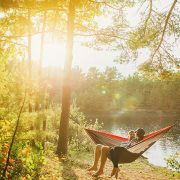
[133,152]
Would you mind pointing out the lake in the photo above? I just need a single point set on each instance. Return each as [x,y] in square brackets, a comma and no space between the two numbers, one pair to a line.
[121,122]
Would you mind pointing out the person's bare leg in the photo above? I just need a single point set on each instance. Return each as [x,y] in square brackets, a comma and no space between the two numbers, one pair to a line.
[104,153]
[115,172]
[96,158]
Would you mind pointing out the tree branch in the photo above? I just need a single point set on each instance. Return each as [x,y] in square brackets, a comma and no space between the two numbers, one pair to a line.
[101,34]
[149,15]
[32,34]
[35,7]
[165,26]
[105,3]
[16,43]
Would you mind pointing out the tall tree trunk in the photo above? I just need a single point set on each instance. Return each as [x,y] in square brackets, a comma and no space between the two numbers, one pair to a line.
[42,44]
[41,60]
[66,92]
[40,73]
[13,138]
[29,59]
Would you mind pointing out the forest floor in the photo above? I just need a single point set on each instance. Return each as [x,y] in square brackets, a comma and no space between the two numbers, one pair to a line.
[76,168]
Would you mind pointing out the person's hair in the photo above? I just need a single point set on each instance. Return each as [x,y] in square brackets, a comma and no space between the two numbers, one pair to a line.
[140,133]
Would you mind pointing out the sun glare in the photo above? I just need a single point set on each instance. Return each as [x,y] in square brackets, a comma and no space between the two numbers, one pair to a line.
[53,54]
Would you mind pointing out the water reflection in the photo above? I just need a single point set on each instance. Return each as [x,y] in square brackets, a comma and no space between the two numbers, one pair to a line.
[150,121]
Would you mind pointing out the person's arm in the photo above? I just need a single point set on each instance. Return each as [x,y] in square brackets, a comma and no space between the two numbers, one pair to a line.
[132,142]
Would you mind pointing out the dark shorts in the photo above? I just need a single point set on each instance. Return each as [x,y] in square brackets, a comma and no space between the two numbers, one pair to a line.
[109,154]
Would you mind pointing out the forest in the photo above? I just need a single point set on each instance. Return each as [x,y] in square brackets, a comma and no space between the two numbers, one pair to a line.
[113,92]
[45,107]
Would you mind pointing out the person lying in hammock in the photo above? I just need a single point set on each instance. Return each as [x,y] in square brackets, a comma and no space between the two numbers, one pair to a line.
[113,154]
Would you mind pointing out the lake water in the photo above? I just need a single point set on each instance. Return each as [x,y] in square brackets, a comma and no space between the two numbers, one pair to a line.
[124,121]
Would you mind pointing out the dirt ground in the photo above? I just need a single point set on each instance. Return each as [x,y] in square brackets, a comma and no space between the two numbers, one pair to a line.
[76,169]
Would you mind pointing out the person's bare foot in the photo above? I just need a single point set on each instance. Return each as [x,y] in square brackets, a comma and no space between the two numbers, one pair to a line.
[98,173]
[93,168]
[115,172]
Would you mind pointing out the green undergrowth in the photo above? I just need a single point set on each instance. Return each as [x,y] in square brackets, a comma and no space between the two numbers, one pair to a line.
[63,167]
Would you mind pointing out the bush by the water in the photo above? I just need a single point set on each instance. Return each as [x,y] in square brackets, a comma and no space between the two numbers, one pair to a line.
[173,162]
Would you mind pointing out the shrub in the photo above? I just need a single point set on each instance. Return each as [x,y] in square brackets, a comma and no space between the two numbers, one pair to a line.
[173,162]
[25,159]
[78,139]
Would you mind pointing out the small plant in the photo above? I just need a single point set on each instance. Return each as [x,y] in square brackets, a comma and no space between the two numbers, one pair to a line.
[25,160]
[173,162]
[3,161]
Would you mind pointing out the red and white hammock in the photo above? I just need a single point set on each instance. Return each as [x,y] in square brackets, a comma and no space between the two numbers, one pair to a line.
[111,140]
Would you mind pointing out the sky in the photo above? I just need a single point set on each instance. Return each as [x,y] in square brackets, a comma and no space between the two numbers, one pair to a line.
[83,57]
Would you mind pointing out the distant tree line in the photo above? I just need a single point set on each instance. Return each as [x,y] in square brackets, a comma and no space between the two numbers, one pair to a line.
[98,91]
[108,92]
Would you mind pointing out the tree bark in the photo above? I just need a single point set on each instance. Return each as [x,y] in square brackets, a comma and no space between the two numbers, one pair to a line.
[42,44]
[38,99]
[29,59]
[66,91]
[13,137]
